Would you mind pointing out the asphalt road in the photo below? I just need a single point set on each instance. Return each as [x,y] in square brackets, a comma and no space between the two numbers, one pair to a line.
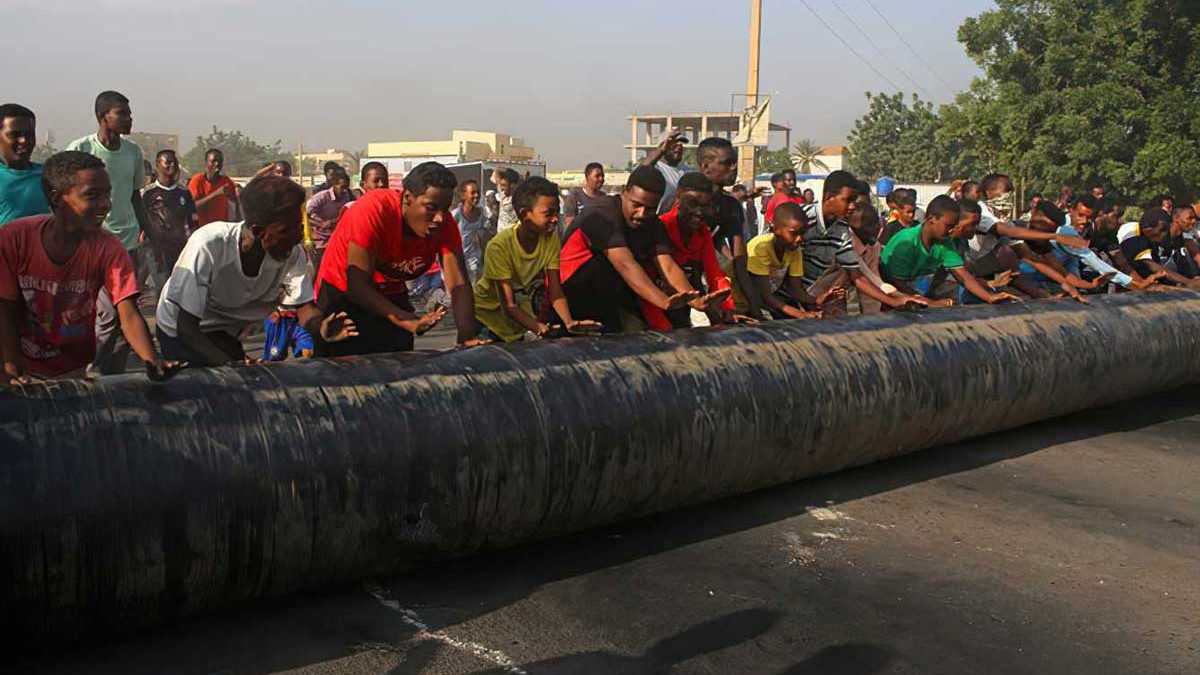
[1070,546]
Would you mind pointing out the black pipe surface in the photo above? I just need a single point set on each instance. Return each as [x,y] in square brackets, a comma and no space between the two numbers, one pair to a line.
[125,504]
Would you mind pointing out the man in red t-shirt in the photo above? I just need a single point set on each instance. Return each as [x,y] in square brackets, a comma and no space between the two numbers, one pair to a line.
[388,238]
[786,192]
[693,249]
[51,269]
[212,190]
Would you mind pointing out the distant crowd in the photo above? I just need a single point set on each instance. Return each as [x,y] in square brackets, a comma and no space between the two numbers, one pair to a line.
[367,268]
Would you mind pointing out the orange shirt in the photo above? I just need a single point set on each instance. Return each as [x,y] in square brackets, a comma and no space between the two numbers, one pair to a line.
[217,209]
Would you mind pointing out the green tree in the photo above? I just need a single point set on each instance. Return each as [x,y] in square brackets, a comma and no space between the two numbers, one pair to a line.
[1081,90]
[805,155]
[774,161]
[243,155]
[900,140]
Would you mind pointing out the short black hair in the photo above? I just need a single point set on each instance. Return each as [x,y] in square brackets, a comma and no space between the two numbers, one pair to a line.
[906,198]
[58,173]
[1086,199]
[341,174]
[1159,199]
[989,181]
[1036,195]
[526,194]
[107,100]
[710,146]
[15,110]
[371,166]
[942,205]
[737,188]
[592,166]
[970,206]
[864,188]
[968,185]
[470,181]
[1111,204]
[1180,210]
[838,181]
[330,166]
[789,211]
[270,199]
[1099,184]
[511,176]
[213,151]
[777,177]
[429,175]
[647,178]
[787,171]
[159,155]
[696,182]
[1153,218]
[1050,210]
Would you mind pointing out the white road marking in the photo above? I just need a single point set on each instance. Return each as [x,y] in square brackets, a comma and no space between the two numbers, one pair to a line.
[411,618]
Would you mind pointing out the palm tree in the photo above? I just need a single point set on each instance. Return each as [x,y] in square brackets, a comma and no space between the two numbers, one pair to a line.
[805,154]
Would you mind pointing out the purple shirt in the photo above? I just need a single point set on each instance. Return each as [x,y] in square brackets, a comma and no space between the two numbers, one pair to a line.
[324,209]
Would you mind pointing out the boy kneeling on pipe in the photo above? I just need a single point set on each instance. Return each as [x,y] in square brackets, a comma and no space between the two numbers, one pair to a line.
[917,259]
[515,259]
[51,269]
[230,276]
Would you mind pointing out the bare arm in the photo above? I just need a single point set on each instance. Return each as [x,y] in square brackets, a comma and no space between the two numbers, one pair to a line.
[10,343]
[1025,234]
[188,328]
[462,296]
[135,330]
[140,212]
[977,289]
[360,286]
[508,301]
[795,286]
[635,277]
[656,154]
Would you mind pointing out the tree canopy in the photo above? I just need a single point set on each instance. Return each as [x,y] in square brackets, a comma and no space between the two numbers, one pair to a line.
[243,155]
[1073,91]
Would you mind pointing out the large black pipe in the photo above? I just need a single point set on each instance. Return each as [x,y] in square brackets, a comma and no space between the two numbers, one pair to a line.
[125,504]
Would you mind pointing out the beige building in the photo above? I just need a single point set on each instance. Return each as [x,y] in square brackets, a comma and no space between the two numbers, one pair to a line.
[834,158]
[614,179]
[463,146]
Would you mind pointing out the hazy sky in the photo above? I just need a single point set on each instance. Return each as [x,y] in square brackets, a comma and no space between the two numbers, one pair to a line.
[563,75]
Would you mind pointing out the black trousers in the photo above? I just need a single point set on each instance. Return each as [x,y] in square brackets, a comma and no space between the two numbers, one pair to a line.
[376,335]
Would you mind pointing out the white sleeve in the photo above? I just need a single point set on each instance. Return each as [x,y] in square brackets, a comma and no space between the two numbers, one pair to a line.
[987,221]
[297,281]
[189,282]
[1127,230]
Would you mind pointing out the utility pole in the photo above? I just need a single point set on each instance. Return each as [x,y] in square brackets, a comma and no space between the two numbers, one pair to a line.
[747,164]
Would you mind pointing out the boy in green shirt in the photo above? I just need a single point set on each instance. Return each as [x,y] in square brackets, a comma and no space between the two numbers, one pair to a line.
[775,265]
[914,257]
[515,258]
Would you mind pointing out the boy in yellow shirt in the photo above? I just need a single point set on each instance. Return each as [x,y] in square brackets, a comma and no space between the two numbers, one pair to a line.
[776,266]
[515,258]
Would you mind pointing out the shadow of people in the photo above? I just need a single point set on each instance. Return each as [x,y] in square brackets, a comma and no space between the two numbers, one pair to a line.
[844,659]
[704,638]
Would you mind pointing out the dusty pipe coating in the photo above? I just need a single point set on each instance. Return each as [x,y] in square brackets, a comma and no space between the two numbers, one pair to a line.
[125,504]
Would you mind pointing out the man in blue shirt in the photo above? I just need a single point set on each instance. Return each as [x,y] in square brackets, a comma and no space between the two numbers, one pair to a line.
[20,179]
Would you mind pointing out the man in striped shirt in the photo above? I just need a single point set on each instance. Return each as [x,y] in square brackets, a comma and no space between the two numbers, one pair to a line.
[829,248]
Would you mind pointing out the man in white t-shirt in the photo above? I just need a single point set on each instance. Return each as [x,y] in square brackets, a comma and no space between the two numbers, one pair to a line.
[232,275]
[668,159]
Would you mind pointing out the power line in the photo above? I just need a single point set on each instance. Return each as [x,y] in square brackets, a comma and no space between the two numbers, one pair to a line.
[912,51]
[878,51]
[852,50]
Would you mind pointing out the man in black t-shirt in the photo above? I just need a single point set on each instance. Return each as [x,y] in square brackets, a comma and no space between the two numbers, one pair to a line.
[1158,246]
[605,251]
[171,215]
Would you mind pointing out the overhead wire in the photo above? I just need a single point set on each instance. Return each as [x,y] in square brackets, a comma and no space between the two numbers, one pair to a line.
[851,49]
[912,51]
[882,56]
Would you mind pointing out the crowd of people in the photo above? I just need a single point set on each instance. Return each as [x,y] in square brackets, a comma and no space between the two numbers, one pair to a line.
[335,272]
